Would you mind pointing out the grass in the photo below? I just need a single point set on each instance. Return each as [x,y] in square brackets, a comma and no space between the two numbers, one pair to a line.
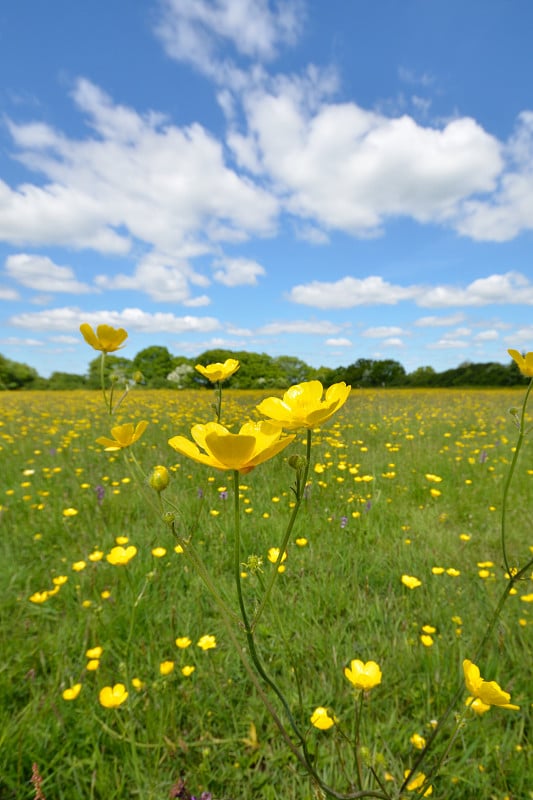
[368,518]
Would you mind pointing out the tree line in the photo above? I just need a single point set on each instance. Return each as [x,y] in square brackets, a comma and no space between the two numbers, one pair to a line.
[156,368]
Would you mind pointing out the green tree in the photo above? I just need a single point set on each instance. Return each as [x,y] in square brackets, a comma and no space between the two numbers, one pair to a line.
[15,375]
[293,370]
[155,363]
[66,380]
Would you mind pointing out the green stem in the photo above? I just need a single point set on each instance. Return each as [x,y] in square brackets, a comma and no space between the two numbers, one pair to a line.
[357,740]
[518,447]
[301,481]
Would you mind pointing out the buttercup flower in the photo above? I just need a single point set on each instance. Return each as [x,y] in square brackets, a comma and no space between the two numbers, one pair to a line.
[302,405]
[207,642]
[487,691]
[416,783]
[363,676]
[182,642]
[113,696]
[119,555]
[72,692]
[106,338]
[411,582]
[321,719]
[477,705]
[219,372]
[123,436]
[187,670]
[256,442]
[166,667]
[525,363]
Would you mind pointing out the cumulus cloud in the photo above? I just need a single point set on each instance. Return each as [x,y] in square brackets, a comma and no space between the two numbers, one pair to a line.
[40,273]
[347,168]
[339,342]
[133,319]
[237,271]
[136,179]
[510,288]
[382,331]
[164,282]
[8,294]
[349,292]
[439,322]
[300,326]
[506,212]
[196,30]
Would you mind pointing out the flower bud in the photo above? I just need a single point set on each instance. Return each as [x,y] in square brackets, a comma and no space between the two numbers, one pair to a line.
[159,478]
[297,462]
[168,518]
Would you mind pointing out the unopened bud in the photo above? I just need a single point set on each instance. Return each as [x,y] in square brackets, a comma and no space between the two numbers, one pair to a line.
[168,518]
[138,377]
[159,478]
[297,462]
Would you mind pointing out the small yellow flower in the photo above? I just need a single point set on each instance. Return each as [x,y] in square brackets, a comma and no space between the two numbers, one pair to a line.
[488,692]
[527,598]
[302,405]
[137,684]
[39,597]
[106,338]
[273,555]
[416,784]
[70,512]
[301,541]
[159,552]
[219,372]
[426,640]
[524,362]
[255,443]
[418,741]
[94,652]
[187,670]
[93,664]
[321,719]
[123,436]
[182,642]
[207,642]
[113,696]
[166,667]
[411,582]
[96,555]
[60,580]
[119,555]
[72,692]
[363,676]
[79,566]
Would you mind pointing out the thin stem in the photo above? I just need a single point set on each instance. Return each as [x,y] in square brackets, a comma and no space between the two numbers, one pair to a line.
[301,481]
[518,447]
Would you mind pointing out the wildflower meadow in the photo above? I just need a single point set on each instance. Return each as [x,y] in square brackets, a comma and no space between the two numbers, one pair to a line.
[231,595]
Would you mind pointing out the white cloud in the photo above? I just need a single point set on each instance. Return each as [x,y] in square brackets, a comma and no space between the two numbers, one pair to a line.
[132,319]
[138,178]
[448,344]
[299,326]
[382,331]
[349,292]
[40,273]
[15,341]
[508,211]
[164,279]
[393,341]
[439,322]
[237,271]
[512,287]
[196,30]
[8,294]
[349,169]
[487,336]
[339,342]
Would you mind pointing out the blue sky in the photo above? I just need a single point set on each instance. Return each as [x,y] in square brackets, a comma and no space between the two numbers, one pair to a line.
[325,180]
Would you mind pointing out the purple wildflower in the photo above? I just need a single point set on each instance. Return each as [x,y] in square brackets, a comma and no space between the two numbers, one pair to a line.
[344,522]
[100,492]
[223,495]
[200,492]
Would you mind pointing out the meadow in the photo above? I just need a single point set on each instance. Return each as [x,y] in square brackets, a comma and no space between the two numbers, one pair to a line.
[401,482]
